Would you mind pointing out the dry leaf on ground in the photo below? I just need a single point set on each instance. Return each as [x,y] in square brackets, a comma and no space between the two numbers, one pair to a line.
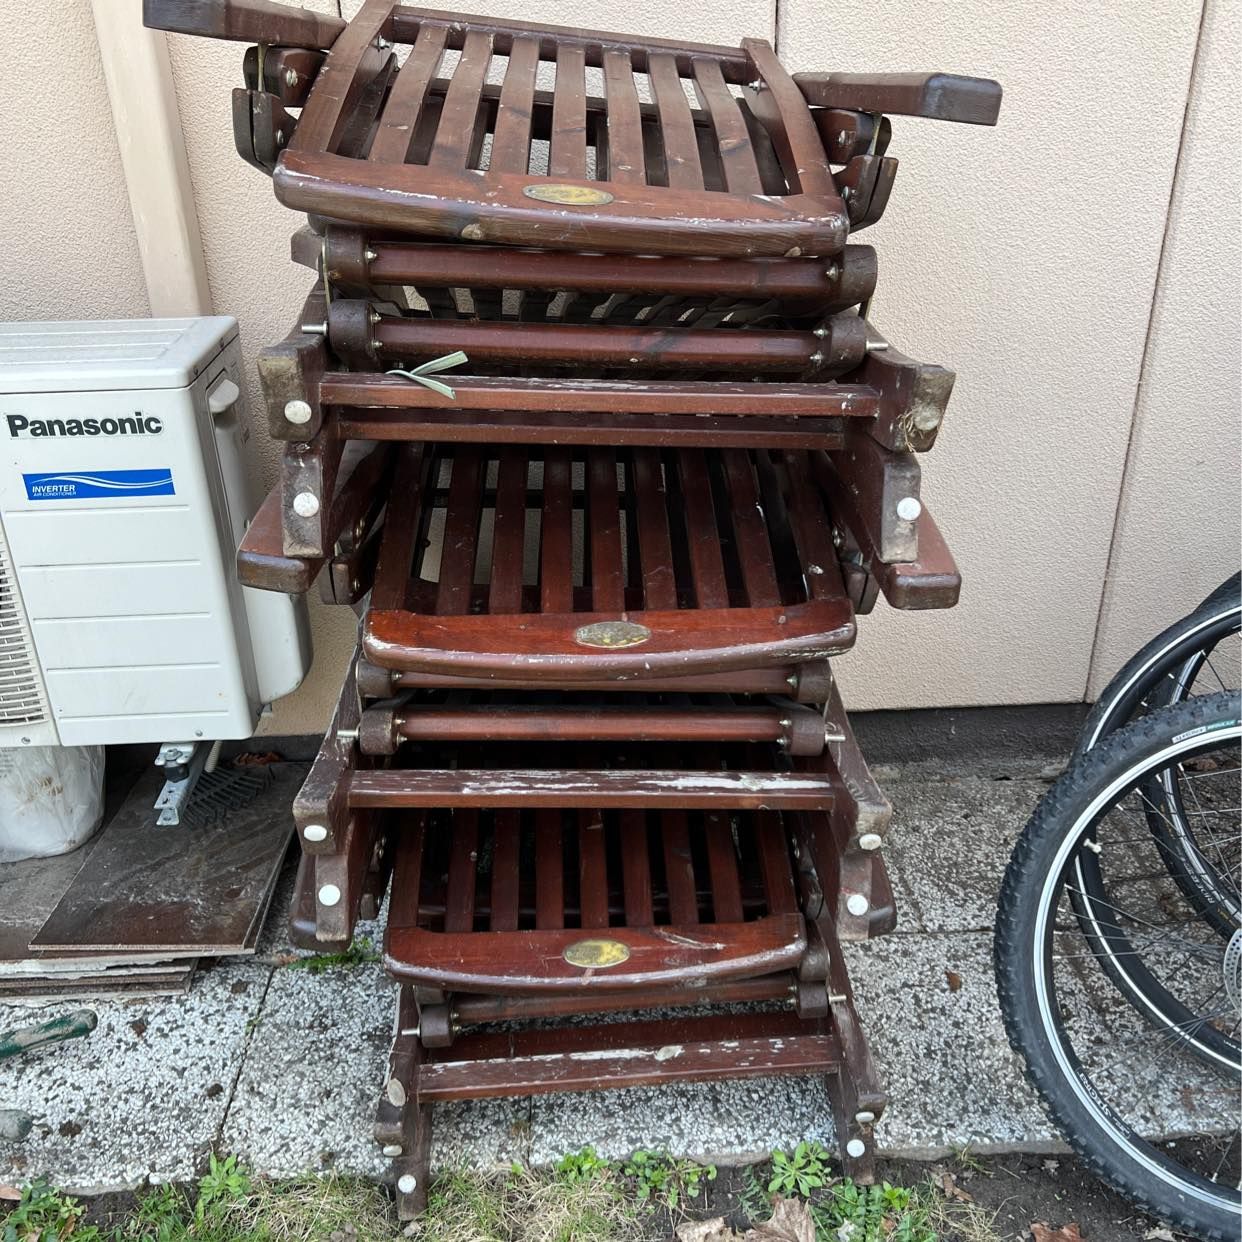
[953,979]
[952,1190]
[791,1222]
[715,1230]
[1159,1234]
[1042,1232]
[11,1193]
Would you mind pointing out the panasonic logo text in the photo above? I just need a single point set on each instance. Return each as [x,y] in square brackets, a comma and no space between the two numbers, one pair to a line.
[137,425]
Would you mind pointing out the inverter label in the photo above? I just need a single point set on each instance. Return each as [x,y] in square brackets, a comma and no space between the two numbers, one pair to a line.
[87,485]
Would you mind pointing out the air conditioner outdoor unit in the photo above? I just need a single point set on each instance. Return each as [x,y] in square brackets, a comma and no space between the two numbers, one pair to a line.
[123,496]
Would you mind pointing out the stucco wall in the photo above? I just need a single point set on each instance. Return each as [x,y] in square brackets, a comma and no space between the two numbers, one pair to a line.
[1178,525]
[67,247]
[1026,257]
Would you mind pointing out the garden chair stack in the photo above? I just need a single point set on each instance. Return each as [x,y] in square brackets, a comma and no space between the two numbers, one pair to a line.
[584,416]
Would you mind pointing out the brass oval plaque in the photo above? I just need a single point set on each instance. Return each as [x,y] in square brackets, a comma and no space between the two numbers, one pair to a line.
[596,954]
[612,634]
[569,195]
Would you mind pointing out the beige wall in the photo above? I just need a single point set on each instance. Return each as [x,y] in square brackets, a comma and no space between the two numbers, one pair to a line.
[1178,525]
[1025,257]
[67,247]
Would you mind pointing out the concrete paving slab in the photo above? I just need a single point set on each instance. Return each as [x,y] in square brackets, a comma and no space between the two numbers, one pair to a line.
[307,1090]
[948,846]
[928,1005]
[143,1096]
[725,1122]
[306,1096]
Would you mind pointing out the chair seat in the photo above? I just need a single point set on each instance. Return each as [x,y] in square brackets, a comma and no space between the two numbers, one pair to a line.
[562,567]
[542,900]
[566,152]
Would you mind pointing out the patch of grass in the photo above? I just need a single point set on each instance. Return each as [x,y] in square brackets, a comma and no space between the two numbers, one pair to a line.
[882,1213]
[668,1180]
[798,1172]
[581,1166]
[360,953]
[585,1205]
[41,1215]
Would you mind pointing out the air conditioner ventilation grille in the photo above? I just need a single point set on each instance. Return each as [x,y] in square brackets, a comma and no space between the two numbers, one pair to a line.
[21,688]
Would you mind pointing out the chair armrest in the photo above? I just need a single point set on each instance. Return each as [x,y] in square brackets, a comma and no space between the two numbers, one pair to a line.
[248,21]
[938,96]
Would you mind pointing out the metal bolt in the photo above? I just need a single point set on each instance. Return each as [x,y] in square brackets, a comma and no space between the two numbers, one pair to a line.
[908,509]
[315,329]
[314,832]
[306,504]
[856,1148]
[393,1149]
[394,1092]
[375,315]
[821,333]
[792,681]
[370,255]
[815,569]
[846,194]
[329,895]
[837,538]
[298,411]
[280,137]
[291,77]
[869,841]
[864,1118]
[832,271]
[1094,846]
[857,905]
[816,358]
[407,1184]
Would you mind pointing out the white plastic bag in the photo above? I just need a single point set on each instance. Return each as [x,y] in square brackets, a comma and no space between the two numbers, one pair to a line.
[51,799]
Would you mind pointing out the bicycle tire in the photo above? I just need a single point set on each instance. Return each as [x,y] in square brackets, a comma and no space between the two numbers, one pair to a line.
[1033,885]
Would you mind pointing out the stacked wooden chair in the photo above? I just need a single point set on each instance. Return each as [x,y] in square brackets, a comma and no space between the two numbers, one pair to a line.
[584,416]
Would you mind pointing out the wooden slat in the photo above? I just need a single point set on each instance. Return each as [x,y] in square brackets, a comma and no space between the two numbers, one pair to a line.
[592,870]
[399,120]
[636,869]
[603,519]
[508,533]
[549,872]
[795,135]
[567,154]
[407,872]
[461,533]
[820,566]
[378,391]
[681,146]
[459,120]
[754,552]
[392,575]
[683,905]
[511,137]
[341,80]
[556,583]
[737,157]
[655,550]
[601,788]
[774,861]
[506,844]
[706,563]
[722,866]
[793,1053]
[459,899]
[625,132]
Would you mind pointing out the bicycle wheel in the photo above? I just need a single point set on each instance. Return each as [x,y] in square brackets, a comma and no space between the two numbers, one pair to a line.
[1175,665]
[1198,654]
[1118,1069]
